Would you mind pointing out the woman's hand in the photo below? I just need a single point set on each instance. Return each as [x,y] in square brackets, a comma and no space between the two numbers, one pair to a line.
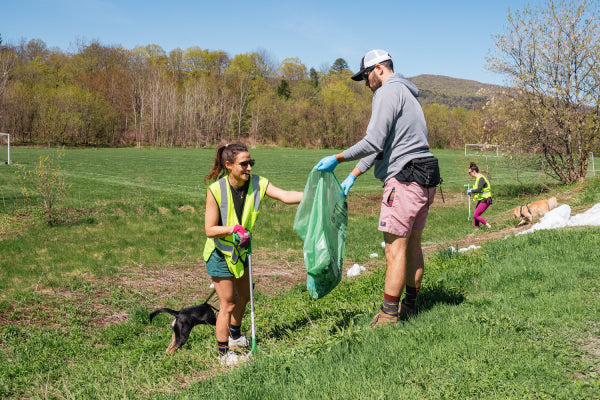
[243,236]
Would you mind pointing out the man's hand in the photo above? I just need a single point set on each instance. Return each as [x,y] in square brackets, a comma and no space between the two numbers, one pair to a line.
[327,164]
[347,184]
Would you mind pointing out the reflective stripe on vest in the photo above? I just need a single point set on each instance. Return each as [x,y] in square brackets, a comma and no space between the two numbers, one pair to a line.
[219,244]
[225,199]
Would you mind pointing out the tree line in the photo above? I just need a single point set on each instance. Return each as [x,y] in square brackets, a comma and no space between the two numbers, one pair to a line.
[110,96]
[548,114]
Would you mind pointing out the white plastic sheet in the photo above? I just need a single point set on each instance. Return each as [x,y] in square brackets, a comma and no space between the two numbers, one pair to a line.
[561,217]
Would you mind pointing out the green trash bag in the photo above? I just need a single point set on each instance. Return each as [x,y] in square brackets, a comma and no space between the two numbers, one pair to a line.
[321,221]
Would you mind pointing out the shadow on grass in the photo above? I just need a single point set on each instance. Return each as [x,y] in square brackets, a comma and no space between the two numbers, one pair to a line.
[430,296]
[343,318]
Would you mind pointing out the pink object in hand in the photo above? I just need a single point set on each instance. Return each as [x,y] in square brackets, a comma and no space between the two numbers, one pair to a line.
[243,234]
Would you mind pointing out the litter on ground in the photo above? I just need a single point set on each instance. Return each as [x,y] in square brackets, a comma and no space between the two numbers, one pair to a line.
[561,217]
[355,270]
[462,250]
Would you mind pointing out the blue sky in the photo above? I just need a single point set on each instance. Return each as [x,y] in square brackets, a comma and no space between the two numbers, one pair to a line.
[450,38]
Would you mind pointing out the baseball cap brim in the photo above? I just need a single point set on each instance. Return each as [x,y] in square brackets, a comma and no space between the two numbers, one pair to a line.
[359,76]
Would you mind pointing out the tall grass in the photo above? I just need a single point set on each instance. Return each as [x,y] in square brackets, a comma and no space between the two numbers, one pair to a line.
[74,298]
[513,322]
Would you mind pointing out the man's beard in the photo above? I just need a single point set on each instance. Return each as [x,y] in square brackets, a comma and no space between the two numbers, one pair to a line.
[375,83]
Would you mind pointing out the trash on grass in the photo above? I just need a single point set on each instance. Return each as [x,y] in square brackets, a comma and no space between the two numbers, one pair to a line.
[355,270]
[462,250]
[561,217]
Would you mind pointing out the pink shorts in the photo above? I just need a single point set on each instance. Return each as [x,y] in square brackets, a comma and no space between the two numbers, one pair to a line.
[404,207]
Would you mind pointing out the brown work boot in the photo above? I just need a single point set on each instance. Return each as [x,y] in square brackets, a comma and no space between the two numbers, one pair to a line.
[405,311]
[382,319]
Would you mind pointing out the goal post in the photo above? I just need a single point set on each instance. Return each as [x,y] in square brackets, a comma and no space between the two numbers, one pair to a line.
[482,149]
[7,146]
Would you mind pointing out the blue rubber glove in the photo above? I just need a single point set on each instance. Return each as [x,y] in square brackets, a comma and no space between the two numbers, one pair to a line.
[347,184]
[327,164]
[468,191]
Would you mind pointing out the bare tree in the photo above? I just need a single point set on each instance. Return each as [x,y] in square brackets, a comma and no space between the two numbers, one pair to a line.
[8,60]
[550,56]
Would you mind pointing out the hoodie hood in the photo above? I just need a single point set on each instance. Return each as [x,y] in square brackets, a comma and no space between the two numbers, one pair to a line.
[401,79]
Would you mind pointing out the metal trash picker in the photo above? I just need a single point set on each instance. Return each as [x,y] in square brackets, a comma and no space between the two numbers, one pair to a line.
[254,348]
[469,200]
[236,239]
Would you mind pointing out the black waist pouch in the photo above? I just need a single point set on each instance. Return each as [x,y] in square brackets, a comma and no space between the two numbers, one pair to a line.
[424,171]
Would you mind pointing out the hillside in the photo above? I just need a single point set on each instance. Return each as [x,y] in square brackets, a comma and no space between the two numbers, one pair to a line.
[453,92]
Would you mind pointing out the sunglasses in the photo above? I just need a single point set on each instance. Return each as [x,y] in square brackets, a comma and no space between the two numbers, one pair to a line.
[245,163]
[367,72]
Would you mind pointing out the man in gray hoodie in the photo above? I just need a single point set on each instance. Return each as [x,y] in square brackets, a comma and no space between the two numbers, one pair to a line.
[397,144]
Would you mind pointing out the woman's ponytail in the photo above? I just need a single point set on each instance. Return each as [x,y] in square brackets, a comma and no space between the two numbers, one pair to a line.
[224,153]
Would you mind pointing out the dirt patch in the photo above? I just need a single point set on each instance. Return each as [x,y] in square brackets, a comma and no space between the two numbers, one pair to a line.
[591,347]
[175,284]
[476,238]
[163,210]
[176,281]
[364,204]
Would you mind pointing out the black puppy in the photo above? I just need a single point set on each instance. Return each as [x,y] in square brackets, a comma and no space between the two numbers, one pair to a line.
[185,320]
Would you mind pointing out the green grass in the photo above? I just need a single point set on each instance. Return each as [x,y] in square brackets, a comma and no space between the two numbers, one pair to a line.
[124,207]
[516,319]
[510,321]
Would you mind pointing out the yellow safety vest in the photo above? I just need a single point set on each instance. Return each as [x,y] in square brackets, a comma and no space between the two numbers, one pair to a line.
[221,190]
[486,192]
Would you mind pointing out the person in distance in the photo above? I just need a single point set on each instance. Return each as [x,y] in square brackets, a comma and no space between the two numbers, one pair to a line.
[482,194]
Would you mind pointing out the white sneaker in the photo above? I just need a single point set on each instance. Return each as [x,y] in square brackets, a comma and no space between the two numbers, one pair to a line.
[242,341]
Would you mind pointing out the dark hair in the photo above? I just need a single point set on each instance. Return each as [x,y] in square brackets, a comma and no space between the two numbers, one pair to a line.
[474,167]
[388,64]
[226,152]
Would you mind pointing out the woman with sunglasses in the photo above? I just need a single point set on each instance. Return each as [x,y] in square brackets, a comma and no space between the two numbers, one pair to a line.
[233,203]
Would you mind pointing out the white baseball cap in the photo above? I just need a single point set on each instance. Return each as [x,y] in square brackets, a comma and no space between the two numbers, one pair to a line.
[370,59]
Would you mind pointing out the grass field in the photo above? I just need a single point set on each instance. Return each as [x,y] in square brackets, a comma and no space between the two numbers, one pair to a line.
[518,318]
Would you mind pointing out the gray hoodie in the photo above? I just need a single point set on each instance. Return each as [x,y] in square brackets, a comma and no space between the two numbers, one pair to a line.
[397,132]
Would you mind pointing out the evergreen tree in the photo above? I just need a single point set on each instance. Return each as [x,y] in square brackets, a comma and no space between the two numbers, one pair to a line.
[339,65]
[283,90]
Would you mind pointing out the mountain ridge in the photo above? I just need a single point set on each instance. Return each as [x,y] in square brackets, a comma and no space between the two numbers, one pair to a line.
[451,92]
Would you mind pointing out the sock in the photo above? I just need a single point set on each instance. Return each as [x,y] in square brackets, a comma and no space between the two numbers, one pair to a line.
[390,304]
[223,347]
[234,331]
[411,296]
